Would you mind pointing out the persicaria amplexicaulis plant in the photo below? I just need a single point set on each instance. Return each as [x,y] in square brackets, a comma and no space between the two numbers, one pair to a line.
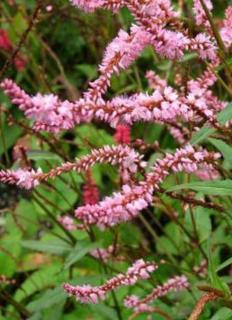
[187,106]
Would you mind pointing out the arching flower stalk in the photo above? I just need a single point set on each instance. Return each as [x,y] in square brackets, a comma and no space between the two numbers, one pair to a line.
[128,159]
[142,305]
[127,204]
[22,177]
[164,105]
[88,294]
[119,55]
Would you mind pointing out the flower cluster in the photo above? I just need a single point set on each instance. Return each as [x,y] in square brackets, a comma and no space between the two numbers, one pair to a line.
[142,305]
[127,158]
[23,178]
[52,114]
[119,54]
[164,105]
[67,222]
[88,294]
[226,29]
[200,16]
[127,204]
[103,254]
[184,107]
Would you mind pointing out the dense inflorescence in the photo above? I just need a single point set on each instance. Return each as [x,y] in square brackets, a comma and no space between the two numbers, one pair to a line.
[183,107]
[87,294]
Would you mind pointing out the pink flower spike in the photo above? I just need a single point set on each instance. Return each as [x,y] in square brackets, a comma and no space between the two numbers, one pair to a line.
[200,16]
[23,178]
[225,31]
[88,294]
[127,204]
[68,223]
[174,284]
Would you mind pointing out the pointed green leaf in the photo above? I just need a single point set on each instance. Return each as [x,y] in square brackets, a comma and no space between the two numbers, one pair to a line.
[58,247]
[223,147]
[225,264]
[215,187]
[80,250]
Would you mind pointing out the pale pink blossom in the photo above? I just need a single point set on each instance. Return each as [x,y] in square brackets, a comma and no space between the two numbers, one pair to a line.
[88,294]
[103,254]
[92,5]
[203,82]
[127,204]
[201,269]
[127,158]
[170,44]
[207,174]
[67,222]
[119,54]
[155,82]
[21,177]
[141,305]
[89,5]
[226,30]
[205,47]
[200,16]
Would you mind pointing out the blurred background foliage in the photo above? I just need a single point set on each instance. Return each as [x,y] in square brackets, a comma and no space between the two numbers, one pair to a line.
[61,55]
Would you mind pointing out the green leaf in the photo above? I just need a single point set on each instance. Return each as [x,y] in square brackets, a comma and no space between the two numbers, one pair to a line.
[80,250]
[188,57]
[35,316]
[216,281]
[223,147]
[225,115]
[39,280]
[48,299]
[225,264]
[104,312]
[202,220]
[201,135]
[58,247]
[88,70]
[215,187]
[9,135]
[42,155]
[224,313]
[205,132]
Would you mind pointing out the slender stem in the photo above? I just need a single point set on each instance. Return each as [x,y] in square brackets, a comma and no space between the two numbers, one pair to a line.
[218,38]
[214,28]
[18,306]
[117,307]
[155,236]
[154,310]
[51,216]
[196,233]
[211,296]
[4,140]
[23,38]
